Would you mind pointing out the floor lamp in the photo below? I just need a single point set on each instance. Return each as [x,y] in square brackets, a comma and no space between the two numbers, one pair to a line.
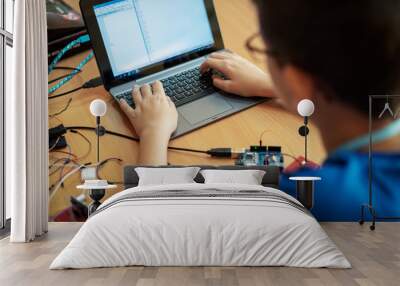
[97,188]
[305,108]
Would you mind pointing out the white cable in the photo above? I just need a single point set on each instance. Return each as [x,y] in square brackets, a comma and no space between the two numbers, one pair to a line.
[69,174]
[65,177]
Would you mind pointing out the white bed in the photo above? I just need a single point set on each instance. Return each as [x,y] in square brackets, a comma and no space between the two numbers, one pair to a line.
[201,231]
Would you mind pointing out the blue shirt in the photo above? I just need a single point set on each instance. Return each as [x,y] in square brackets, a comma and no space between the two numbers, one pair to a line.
[344,185]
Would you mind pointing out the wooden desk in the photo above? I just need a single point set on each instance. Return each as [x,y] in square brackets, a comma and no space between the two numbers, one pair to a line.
[238,21]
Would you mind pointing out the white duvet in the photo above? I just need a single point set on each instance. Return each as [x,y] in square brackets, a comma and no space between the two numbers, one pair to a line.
[200,232]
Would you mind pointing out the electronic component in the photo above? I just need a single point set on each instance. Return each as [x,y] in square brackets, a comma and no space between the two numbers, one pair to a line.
[249,159]
[57,131]
[64,24]
[89,173]
[274,157]
[56,137]
[225,152]
[57,143]
[261,152]
[261,156]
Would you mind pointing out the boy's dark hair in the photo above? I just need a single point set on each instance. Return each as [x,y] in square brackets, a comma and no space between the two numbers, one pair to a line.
[351,47]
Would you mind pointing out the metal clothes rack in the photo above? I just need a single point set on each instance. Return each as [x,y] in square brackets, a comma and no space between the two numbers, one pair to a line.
[369,206]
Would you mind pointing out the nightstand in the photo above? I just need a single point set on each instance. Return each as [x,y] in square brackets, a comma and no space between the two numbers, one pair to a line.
[305,190]
[97,190]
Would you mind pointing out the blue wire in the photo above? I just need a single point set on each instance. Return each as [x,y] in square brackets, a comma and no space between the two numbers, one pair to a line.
[71,75]
[80,40]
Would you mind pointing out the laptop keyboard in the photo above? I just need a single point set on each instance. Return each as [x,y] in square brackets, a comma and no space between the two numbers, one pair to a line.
[188,86]
[183,87]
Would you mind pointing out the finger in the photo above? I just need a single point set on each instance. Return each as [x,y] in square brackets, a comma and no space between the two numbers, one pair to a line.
[221,55]
[170,103]
[158,88]
[217,55]
[126,108]
[137,96]
[223,84]
[146,90]
[216,64]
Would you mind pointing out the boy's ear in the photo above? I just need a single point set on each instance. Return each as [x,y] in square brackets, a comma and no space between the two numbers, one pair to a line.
[299,83]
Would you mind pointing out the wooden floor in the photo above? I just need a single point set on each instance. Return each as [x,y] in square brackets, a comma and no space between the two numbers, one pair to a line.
[375,257]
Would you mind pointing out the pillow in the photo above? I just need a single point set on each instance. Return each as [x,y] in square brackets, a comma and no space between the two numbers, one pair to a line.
[248,177]
[166,176]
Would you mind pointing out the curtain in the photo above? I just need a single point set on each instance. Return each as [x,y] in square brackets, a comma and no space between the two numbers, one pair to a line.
[27,123]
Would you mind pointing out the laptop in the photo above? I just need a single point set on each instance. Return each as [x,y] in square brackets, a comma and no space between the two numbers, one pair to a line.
[136,42]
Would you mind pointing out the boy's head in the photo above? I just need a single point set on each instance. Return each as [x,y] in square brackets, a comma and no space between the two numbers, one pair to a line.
[338,51]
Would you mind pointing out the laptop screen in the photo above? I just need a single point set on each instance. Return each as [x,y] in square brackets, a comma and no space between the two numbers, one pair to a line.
[140,33]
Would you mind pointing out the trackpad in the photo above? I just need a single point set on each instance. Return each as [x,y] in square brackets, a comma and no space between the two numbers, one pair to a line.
[204,109]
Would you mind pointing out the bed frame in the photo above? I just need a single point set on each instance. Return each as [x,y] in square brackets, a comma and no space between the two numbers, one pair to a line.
[270,179]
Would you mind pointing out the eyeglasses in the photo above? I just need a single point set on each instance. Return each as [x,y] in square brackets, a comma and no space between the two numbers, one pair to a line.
[256,46]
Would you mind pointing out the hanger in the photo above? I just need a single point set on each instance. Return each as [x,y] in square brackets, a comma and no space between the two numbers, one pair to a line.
[387,107]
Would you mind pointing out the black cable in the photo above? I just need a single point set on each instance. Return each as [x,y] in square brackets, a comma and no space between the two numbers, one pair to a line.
[123,136]
[63,76]
[187,150]
[102,163]
[107,132]
[262,135]
[66,93]
[95,82]
[87,141]
[132,138]
[215,152]
[66,68]
[80,128]
[62,110]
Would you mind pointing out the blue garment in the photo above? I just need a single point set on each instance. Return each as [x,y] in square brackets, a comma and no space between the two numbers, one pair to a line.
[344,185]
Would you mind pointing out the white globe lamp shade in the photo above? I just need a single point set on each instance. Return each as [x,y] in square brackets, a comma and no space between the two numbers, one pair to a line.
[305,108]
[98,107]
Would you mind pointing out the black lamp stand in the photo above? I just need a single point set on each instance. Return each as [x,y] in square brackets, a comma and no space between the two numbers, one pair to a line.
[303,131]
[97,194]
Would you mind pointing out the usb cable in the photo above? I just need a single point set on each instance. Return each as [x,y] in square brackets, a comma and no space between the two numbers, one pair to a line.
[95,82]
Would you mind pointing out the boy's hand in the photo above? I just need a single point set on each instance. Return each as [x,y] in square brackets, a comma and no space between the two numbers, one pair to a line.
[154,114]
[242,77]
